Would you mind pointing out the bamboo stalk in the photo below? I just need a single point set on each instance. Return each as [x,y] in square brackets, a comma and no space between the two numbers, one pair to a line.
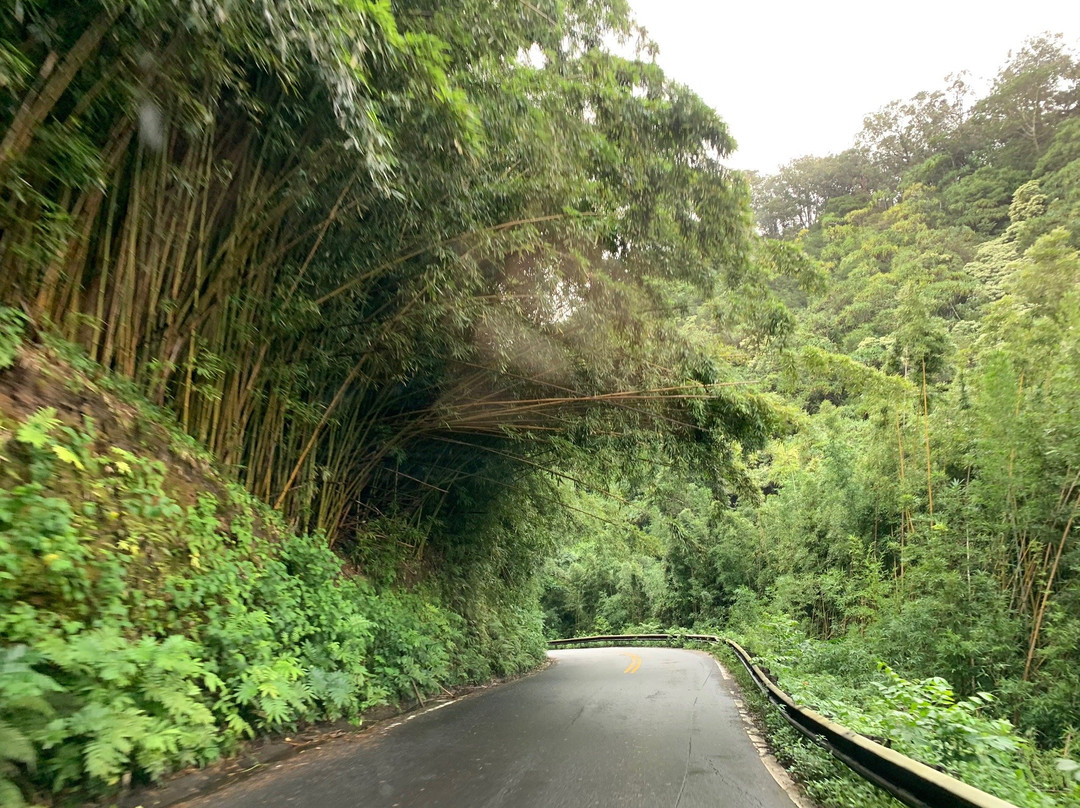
[904,516]
[319,239]
[527,462]
[926,430]
[39,103]
[428,248]
[1041,612]
[318,428]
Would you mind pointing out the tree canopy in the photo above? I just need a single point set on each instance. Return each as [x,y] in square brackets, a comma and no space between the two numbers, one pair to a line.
[361,248]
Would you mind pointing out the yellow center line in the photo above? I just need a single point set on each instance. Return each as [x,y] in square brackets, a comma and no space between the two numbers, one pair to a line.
[635,663]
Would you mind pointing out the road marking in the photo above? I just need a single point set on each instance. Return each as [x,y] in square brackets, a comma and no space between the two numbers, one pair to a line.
[635,663]
[431,709]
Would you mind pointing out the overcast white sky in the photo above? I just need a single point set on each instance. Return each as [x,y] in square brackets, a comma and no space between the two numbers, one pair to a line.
[794,78]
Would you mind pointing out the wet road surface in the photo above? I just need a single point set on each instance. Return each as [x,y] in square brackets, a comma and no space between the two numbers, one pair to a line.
[601,727]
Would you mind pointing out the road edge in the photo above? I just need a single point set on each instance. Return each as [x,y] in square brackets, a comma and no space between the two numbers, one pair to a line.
[188,784]
[759,738]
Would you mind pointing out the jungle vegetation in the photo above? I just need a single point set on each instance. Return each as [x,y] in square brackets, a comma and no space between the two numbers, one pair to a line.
[309,307]
[907,558]
[347,348]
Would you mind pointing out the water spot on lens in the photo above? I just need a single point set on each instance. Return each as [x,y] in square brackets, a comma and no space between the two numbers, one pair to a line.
[151,126]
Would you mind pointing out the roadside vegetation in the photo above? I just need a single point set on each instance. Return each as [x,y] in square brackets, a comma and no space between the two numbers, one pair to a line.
[347,349]
[308,311]
[906,559]
[156,614]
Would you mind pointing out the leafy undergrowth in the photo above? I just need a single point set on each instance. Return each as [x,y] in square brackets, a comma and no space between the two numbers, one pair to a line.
[924,720]
[153,615]
[825,779]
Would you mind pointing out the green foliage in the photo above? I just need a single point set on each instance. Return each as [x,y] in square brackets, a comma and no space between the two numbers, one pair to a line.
[829,783]
[141,634]
[12,323]
[24,709]
[655,558]
[431,278]
[413,221]
[382,263]
[922,719]
[982,199]
[924,512]
[925,720]
[130,706]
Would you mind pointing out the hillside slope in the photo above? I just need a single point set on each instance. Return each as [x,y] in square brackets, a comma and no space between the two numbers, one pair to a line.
[154,614]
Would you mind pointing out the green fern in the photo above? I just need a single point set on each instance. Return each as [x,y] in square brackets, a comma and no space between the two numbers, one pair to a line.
[36,430]
[276,692]
[335,690]
[24,706]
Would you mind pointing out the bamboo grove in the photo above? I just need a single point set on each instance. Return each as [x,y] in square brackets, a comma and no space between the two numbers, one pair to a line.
[912,567]
[464,291]
[362,249]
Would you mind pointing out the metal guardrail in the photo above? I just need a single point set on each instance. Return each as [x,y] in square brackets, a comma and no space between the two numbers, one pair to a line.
[911,782]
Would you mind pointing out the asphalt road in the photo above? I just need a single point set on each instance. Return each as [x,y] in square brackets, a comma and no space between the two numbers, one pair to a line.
[601,727]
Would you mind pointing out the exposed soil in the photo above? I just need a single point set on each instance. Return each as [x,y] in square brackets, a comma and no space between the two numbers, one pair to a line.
[40,378]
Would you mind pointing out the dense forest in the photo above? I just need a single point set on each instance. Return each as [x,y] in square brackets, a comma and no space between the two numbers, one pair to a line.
[909,543]
[347,349]
[309,308]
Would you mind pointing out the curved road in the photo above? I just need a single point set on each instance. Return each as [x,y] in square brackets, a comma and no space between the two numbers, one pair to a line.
[601,727]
